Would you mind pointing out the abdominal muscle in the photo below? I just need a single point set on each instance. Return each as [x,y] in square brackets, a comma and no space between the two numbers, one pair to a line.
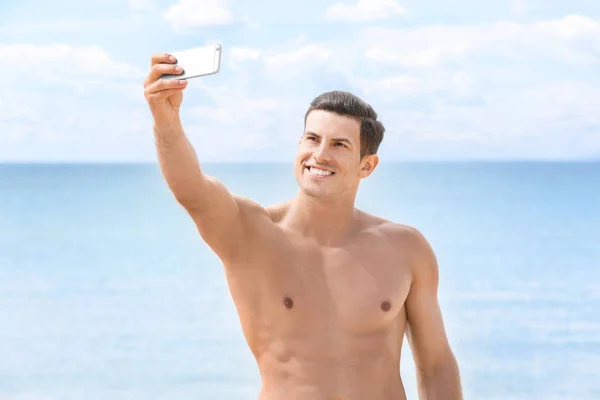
[304,379]
[337,367]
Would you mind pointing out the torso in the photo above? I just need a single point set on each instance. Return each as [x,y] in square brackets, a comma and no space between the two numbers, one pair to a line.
[324,323]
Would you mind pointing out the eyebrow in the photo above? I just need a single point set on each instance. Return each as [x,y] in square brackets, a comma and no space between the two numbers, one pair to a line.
[344,140]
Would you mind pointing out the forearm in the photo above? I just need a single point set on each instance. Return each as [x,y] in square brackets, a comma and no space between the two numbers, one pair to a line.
[442,383]
[179,163]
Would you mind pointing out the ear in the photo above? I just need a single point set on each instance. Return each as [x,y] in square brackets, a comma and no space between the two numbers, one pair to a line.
[368,165]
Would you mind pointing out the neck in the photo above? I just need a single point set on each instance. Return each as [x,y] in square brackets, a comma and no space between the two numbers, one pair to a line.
[326,220]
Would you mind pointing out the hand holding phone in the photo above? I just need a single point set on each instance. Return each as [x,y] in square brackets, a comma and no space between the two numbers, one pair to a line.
[196,62]
[164,85]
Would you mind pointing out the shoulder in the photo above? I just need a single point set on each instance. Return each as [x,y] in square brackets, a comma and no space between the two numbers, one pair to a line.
[404,237]
[402,234]
[414,247]
[248,206]
[254,215]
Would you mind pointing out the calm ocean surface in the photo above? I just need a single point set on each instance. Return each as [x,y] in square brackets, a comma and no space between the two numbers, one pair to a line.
[107,292]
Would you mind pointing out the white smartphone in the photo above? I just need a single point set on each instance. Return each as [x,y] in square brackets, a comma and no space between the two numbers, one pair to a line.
[199,61]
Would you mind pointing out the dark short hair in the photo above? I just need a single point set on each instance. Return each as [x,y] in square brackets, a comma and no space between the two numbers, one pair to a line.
[346,104]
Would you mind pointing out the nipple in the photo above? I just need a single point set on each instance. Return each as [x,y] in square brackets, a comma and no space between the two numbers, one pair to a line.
[386,306]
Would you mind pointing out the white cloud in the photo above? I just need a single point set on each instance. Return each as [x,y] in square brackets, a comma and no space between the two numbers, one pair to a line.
[296,62]
[59,93]
[236,110]
[63,63]
[13,109]
[574,39]
[448,91]
[435,108]
[540,120]
[417,83]
[188,15]
[365,10]
[239,55]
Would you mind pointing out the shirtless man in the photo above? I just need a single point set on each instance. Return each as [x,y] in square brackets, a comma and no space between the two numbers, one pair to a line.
[325,292]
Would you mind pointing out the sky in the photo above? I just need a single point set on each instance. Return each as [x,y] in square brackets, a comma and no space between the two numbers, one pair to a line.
[468,80]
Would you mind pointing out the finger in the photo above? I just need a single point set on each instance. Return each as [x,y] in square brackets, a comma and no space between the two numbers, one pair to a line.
[158,58]
[162,69]
[163,95]
[165,84]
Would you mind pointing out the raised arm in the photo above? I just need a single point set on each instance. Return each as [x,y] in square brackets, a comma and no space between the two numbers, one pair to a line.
[220,217]
[438,375]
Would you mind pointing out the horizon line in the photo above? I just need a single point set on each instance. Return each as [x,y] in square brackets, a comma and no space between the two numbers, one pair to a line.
[231,162]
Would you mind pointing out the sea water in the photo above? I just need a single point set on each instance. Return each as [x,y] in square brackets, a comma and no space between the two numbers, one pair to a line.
[108,292]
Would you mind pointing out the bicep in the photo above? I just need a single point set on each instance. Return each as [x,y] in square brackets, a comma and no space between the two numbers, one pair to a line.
[426,332]
[224,221]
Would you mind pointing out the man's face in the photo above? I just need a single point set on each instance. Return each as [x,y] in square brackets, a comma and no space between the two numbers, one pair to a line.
[328,160]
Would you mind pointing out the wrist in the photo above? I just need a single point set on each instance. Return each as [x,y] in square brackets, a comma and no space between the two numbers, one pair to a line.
[167,126]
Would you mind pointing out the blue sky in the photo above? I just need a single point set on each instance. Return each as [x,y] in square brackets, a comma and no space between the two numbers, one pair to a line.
[500,79]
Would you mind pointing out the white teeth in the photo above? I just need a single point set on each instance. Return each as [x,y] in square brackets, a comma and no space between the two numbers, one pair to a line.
[321,172]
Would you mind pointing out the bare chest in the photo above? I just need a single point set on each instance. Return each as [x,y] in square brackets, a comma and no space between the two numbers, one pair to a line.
[359,288]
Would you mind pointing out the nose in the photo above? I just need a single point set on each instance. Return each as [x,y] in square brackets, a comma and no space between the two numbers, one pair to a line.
[321,154]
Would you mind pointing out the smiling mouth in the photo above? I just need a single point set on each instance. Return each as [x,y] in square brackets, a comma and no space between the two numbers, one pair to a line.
[319,172]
